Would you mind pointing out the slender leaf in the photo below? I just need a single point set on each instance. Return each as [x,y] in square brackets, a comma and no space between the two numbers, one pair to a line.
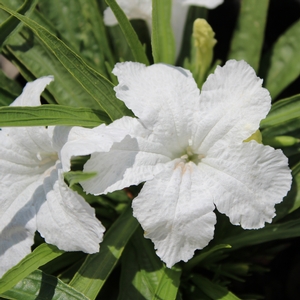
[248,36]
[40,256]
[50,114]
[144,276]
[196,260]
[85,34]
[94,83]
[213,290]
[74,177]
[132,39]
[97,267]
[163,43]
[11,24]
[271,232]
[39,285]
[283,118]
[283,61]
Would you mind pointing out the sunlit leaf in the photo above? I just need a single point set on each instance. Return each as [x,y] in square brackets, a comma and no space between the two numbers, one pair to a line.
[50,114]
[39,285]
[97,267]
[40,256]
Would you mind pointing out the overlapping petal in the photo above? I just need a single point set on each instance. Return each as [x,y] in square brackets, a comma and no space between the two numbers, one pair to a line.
[166,111]
[33,190]
[232,104]
[131,161]
[65,219]
[176,211]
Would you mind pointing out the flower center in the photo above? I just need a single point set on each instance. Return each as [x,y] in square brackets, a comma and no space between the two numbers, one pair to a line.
[45,158]
[190,155]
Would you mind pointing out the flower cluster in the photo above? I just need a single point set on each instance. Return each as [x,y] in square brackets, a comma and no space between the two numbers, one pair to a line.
[188,147]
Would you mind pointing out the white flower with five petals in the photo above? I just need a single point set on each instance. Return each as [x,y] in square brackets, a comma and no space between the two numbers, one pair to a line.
[142,9]
[189,148]
[34,195]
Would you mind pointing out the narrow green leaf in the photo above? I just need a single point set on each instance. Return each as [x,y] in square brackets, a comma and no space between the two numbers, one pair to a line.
[283,61]
[74,177]
[248,36]
[94,83]
[51,114]
[196,260]
[213,290]
[39,256]
[132,39]
[144,276]
[284,117]
[80,34]
[39,285]
[163,43]
[270,232]
[11,24]
[97,267]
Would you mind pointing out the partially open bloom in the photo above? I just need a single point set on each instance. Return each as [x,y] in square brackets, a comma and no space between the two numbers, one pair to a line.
[142,9]
[190,150]
[34,195]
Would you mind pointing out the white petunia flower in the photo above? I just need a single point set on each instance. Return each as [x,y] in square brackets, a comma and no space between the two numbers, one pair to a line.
[34,195]
[189,149]
[142,9]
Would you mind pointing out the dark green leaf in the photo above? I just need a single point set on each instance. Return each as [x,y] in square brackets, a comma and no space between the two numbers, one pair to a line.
[248,35]
[213,290]
[11,24]
[283,61]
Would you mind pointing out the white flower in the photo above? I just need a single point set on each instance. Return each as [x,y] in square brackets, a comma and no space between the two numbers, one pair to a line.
[142,9]
[34,195]
[189,149]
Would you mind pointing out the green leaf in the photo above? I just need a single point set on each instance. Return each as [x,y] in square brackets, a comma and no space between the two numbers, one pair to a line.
[9,90]
[51,114]
[213,290]
[39,256]
[283,61]
[283,118]
[144,276]
[248,35]
[97,267]
[74,177]
[196,260]
[163,43]
[80,34]
[94,83]
[132,39]
[12,24]
[39,285]
[269,233]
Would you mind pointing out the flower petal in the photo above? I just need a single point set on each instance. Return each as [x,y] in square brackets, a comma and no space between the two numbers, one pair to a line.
[128,162]
[133,9]
[18,225]
[32,92]
[205,3]
[162,96]
[232,105]
[176,211]
[65,219]
[248,180]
